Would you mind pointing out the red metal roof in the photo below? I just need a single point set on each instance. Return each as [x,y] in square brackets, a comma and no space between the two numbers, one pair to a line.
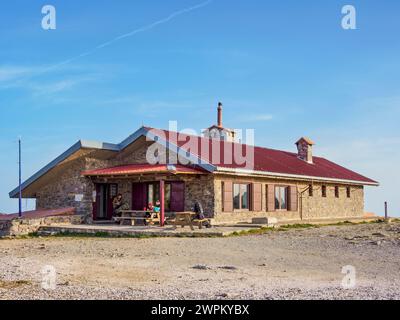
[265,160]
[142,169]
[37,214]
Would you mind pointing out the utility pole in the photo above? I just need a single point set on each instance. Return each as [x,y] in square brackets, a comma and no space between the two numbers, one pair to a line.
[19,179]
[386,210]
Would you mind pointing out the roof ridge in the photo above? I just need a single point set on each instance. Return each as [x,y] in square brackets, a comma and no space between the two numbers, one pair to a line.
[242,144]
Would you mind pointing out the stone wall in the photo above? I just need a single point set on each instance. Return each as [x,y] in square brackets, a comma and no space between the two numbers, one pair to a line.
[69,189]
[342,207]
[202,189]
[132,155]
[21,227]
[315,207]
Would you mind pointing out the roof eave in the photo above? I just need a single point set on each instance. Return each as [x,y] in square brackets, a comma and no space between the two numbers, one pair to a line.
[81,144]
[132,138]
[294,176]
[141,173]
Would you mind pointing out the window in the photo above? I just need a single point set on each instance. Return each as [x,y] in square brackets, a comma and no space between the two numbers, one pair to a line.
[281,196]
[113,190]
[310,190]
[348,192]
[336,191]
[153,194]
[241,196]
[323,191]
[236,196]
[244,196]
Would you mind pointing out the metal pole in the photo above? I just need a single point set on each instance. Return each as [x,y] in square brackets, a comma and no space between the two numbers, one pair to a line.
[386,210]
[19,179]
[162,209]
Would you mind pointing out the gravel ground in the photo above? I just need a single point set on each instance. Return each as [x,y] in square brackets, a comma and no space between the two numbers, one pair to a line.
[293,264]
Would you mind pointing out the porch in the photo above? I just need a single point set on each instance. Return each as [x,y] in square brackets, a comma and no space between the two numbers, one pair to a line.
[141,185]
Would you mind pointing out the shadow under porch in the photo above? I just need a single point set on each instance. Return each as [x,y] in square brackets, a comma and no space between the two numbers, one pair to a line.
[177,190]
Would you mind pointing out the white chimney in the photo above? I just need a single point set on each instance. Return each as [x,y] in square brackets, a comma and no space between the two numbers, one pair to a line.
[304,149]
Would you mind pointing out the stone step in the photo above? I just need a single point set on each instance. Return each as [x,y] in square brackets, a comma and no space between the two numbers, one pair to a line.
[101,222]
[47,231]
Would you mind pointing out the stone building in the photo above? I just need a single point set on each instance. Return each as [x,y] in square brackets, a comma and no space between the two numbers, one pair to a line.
[232,181]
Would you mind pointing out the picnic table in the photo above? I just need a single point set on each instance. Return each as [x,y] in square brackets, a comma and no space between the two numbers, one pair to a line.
[132,216]
[187,219]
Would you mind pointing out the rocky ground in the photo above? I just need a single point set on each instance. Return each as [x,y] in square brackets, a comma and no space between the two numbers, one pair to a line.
[291,264]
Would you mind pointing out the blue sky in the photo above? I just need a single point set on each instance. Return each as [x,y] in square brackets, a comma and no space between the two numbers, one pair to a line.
[285,68]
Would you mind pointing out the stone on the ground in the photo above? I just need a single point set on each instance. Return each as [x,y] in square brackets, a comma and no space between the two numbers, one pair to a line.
[265,220]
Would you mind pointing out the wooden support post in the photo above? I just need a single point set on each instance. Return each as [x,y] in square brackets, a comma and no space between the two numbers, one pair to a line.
[162,200]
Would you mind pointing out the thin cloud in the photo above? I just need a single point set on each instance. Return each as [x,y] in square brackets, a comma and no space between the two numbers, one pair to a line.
[9,73]
[257,118]
[54,87]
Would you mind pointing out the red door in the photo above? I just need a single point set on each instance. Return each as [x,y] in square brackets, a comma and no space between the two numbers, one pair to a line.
[177,203]
[139,196]
[95,204]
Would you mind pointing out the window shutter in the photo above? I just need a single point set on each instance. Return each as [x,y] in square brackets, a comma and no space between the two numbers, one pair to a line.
[227,196]
[96,201]
[256,194]
[293,199]
[270,198]
[177,202]
[139,196]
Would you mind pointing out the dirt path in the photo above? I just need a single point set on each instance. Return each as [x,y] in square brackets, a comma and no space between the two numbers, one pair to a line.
[299,263]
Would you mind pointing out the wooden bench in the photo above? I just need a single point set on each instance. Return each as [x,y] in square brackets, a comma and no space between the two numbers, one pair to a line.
[200,222]
[133,216]
[186,219]
[121,220]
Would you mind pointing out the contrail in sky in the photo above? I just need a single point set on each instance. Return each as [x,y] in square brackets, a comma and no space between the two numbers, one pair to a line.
[130,34]
[123,36]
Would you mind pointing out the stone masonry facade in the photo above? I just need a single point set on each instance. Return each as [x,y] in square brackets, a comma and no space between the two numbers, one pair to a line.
[62,191]
[309,207]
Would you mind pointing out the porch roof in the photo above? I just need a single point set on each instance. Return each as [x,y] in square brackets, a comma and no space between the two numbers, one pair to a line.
[143,169]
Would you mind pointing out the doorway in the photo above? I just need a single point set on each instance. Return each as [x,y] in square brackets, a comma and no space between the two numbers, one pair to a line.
[103,207]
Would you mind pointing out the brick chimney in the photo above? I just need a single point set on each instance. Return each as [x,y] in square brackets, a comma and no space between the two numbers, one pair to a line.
[304,149]
[219,123]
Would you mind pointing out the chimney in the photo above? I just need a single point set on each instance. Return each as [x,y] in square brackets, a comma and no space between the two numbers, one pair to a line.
[304,148]
[220,114]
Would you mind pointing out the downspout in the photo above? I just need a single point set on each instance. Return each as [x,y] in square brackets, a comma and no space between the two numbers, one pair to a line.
[301,193]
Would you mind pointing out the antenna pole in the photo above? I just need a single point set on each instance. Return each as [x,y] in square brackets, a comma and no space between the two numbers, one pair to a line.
[19,179]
